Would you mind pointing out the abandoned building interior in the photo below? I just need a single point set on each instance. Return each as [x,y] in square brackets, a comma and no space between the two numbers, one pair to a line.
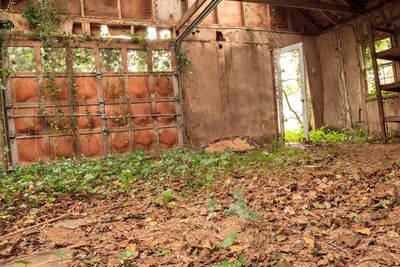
[128,97]
[215,133]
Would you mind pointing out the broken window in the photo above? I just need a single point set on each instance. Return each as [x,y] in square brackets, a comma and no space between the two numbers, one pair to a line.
[111,60]
[22,59]
[83,60]
[165,34]
[151,33]
[53,59]
[137,60]
[161,60]
[385,67]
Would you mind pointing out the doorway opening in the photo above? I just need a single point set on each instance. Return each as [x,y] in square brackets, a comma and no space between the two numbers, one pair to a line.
[291,91]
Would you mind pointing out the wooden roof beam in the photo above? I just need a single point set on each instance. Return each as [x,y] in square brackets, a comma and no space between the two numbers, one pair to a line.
[306,5]
[332,19]
[352,4]
[189,13]
[297,14]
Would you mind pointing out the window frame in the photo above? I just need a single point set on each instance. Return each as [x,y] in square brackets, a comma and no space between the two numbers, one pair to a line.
[363,51]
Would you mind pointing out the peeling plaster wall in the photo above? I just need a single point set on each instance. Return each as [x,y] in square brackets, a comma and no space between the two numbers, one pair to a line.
[343,82]
[231,89]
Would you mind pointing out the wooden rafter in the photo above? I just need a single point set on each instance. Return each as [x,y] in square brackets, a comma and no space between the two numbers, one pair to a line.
[305,5]
[297,14]
[332,19]
[189,13]
[351,3]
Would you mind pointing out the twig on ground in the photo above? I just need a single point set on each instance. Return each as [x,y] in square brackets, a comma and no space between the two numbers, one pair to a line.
[34,226]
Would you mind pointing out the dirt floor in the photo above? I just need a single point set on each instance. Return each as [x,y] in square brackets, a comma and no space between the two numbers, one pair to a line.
[337,206]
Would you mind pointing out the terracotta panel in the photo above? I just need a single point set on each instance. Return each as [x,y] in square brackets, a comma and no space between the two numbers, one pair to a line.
[116,110]
[164,86]
[61,123]
[62,146]
[24,90]
[255,14]
[86,88]
[91,145]
[166,108]
[141,109]
[139,87]
[31,150]
[57,90]
[101,8]
[119,142]
[229,13]
[168,138]
[88,122]
[113,87]
[144,139]
[133,9]
[28,125]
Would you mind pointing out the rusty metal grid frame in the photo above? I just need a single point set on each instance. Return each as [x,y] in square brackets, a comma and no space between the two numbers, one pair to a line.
[72,103]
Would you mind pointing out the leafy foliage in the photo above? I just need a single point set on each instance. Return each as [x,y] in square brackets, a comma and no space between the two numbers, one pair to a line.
[44,16]
[126,254]
[240,208]
[43,183]
[237,263]
[23,262]
[228,241]
[211,203]
[166,196]
[329,137]
[61,255]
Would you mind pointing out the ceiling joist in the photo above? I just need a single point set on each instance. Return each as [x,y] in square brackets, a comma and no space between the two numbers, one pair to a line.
[189,13]
[332,19]
[297,14]
[305,5]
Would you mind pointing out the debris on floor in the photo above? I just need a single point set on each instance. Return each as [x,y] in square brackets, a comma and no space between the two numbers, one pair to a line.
[235,144]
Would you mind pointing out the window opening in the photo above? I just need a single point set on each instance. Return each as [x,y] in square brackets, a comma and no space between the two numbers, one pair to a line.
[137,60]
[161,60]
[111,60]
[83,60]
[22,59]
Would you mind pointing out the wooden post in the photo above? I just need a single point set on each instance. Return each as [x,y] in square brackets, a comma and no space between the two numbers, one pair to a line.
[377,82]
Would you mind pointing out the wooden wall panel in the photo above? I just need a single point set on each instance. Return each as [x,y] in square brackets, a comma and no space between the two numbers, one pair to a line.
[101,8]
[136,9]
[255,15]
[230,13]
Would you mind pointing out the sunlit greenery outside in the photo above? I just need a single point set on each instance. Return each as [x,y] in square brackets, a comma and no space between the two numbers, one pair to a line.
[325,136]
[83,60]
[111,60]
[291,90]
[137,60]
[386,75]
[22,59]
[53,59]
[161,60]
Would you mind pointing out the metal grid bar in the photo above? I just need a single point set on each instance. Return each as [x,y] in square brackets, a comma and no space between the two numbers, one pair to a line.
[73,104]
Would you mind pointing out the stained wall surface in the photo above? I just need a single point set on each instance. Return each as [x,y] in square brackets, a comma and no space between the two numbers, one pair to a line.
[231,91]
[346,103]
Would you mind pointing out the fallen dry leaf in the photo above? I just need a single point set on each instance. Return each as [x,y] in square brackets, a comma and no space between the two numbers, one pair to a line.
[361,230]
[309,241]
[236,248]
